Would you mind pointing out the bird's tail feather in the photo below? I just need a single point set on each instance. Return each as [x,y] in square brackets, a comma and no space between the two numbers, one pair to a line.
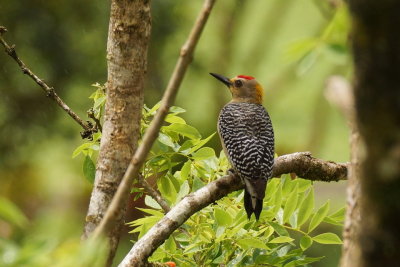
[252,205]
[248,205]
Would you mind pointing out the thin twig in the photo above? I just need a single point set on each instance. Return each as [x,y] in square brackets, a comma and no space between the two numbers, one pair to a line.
[186,55]
[50,92]
[302,164]
[154,194]
[96,120]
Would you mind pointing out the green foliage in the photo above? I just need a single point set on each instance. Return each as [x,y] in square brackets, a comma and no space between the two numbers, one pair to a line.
[90,148]
[38,252]
[44,251]
[11,214]
[331,43]
[222,233]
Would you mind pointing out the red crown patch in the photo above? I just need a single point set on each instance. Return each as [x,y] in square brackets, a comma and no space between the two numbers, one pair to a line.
[246,77]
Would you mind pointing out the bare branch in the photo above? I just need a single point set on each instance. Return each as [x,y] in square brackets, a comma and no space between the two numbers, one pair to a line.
[151,134]
[310,168]
[50,92]
[301,163]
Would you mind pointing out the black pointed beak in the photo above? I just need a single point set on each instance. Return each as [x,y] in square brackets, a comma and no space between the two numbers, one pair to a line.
[223,79]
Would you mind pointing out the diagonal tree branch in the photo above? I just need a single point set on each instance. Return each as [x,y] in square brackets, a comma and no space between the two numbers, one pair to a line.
[186,55]
[88,127]
[301,163]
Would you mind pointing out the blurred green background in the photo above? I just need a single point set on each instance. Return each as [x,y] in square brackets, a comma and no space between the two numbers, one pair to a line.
[291,46]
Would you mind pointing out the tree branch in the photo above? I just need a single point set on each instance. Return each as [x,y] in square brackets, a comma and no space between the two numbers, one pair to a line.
[151,134]
[304,165]
[301,163]
[88,128]
[154,194]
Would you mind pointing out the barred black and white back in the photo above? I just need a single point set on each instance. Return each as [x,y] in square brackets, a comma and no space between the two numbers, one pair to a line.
[248,140]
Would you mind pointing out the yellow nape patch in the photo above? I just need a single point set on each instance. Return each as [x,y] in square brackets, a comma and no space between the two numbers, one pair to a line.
[259,93]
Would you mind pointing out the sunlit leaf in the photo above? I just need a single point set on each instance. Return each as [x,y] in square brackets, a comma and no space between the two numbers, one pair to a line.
[290,205]
[251,243]
[183,191]
[318,216]
[185,171]
[306,208]
[149,201]
[222,217]
[327,238]
[174,119]
[281,239]
[166,140]
[204,153]
[184,130]
[176,110]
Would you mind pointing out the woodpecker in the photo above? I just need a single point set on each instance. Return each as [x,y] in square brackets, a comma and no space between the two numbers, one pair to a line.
[247,137]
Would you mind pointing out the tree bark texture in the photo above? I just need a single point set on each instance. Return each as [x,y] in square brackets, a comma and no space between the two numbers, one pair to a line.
[128,38]
[340,93]
[351,229]
[376,47]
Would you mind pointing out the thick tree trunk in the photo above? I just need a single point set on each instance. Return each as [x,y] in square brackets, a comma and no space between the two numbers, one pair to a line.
[376,47]
[128,38]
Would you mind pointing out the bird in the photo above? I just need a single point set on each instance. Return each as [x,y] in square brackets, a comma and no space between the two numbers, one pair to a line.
[247,138]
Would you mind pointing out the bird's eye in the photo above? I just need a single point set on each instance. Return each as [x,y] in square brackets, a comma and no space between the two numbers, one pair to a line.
[238,83]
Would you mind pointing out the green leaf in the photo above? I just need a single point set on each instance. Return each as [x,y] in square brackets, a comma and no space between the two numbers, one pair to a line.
[183,191]
[89,169]
[305,242]
[279,229]
[247,243]
[176,110]
[149,201]
[197,184]
[303,262]
[187,146]
[204,153]
[318,216]
[167,188]
[281,239]
[200,143]
[153,110]
[272,187]
[327,238]
[290,205]
[306,208]
[166,140]
[156,213]
[184,130]
[222,217]
[338,216]
[81,148]
[276,200]
[9,212]
[174,119]
[185,171]
[99,101]
[170,245]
